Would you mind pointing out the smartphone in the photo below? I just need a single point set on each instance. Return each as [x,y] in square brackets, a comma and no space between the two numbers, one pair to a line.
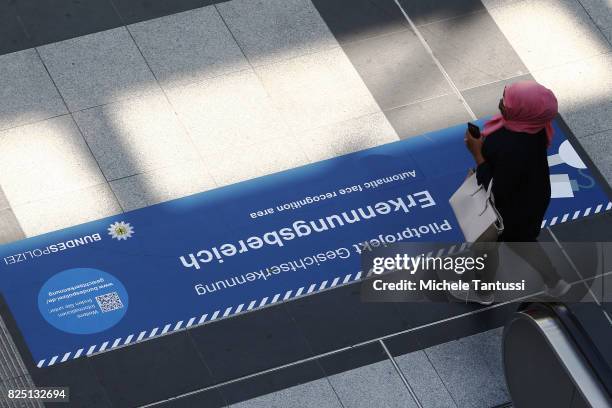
[474,130]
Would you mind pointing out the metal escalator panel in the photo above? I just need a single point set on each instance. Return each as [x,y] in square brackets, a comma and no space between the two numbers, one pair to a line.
[544,367]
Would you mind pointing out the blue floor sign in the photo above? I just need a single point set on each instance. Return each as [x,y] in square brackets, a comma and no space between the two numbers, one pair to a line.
[187,262]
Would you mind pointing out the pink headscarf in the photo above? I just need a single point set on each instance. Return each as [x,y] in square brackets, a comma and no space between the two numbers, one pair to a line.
[529,107]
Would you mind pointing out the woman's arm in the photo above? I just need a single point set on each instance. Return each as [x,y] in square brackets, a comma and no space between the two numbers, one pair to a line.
[484,173]
[495,161]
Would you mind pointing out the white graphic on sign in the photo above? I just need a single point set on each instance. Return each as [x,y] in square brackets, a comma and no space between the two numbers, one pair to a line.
[120,230]
[561,185]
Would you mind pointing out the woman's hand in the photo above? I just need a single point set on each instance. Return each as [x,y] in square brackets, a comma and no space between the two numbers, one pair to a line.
[474,146]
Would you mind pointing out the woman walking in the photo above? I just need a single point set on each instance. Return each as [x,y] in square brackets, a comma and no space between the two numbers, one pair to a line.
[513,152]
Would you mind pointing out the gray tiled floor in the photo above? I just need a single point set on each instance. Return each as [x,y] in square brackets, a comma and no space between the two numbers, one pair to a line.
[162,184]
[317,89]
[598,147]
[65,210]
[600,11]
[374,385]
[98,68]
[346,137]
[601,288]
[484,99]
[356,20]
[463,373]
[548,33]
[9,227]
[426,116]
[400,73]
[233,165]
[14,383]
[314,394]
[425,12]
[470,369]
[270,31]
[230,111]
[3,201]
[473,50]
[188,47]
[133,136]
[28,94]
[45,159]
[607,32]
[583,89]
[425,381]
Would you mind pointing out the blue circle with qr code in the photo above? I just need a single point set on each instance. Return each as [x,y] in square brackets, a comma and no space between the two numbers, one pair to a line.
[83,301]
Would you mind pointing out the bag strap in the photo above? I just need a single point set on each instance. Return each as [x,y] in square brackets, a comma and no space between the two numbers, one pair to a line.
[490,188]
[499,225]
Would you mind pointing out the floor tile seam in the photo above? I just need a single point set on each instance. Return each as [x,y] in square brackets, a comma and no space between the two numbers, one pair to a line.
[605,312]
[514,3]
[256,67]
[543,69]
[162,87]
[204,362]
[488,367]
[569,259]
[476,68]
[233,316]
[253,69]
[552,66]
[446,19]
[25,379]
[295,57]
[316,358]
[401,375]
[450,394]
[593,22]
[185,129]
[106,182]
[339,350]
[6,206]
[34,122]
[17,365]
[441,68]
[422,100]
[463,90]
[213,154]
[180,86]
[148,170]
[202,80]
[328,380]
[60,194]
[290,131]
[592,135]
[300,134]
[282,60]
[101,173]
[125,24]
[504,5]
[118,14]
[21,23]
[391,33]
[115,101]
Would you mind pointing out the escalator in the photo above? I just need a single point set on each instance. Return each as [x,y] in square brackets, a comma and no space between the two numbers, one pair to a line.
[559,355]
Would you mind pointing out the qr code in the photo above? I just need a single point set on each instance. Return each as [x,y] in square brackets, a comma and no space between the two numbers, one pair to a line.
[109,302]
